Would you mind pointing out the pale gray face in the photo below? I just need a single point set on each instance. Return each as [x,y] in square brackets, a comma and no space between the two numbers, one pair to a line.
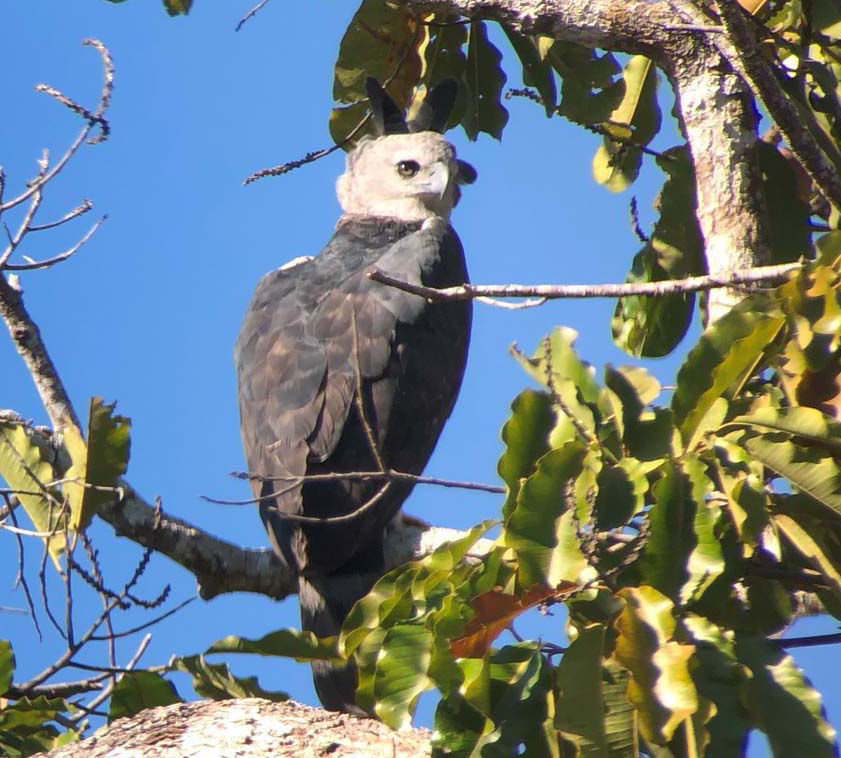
[407,176]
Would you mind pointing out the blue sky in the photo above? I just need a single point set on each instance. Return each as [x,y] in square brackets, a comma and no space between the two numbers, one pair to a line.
[147,313]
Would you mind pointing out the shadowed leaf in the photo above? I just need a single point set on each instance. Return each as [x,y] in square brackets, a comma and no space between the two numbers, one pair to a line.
[289,643]
[635,121]
[537,71]
[526,439]
[7,665]
[682,556]
[660,688]
[720,678]
[140,690]
[540,529]
[653,326]
[580,707]
[216,682]
[801,444]
[485,79]
[383,40]
[783,703]
[590,88]
[725,355]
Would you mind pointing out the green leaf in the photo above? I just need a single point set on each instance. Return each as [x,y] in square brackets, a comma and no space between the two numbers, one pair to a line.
[484,79]
[7,665]
[288,643]
[445,58]
[400,673]
[620,721]
[580,707]
[783,703]
[541,529]
[807,538]
[720,678]
[826,16]
[556,361]
[661,688]
[683,556]
[788,215]
[23,466]
[648,435]
[413,591]
[727,353]
[383,40]
[800,444]
[621,493]
[177,7]
[650,327]
[98,464]
[503,708]
[635,122]
[590,91]
[653,326]
[526,439]
[25,727]
[215,681]
[140,690]
[537,71]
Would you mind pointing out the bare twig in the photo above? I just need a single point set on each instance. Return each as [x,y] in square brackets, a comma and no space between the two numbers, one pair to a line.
[141,627]
[556,291]
[106,693]
[20,578]
[253,12]
[56,258]
[819,639]
[635,222]
[93,119]
[373,444]
[342,475]
[59,689]
[85,206]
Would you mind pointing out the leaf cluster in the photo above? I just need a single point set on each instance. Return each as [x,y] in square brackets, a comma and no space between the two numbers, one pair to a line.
[677,535]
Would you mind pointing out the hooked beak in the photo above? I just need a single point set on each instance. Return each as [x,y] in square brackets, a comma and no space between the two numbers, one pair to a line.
[434,185]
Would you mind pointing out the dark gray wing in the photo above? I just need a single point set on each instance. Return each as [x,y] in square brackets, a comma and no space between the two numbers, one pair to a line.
[307,332]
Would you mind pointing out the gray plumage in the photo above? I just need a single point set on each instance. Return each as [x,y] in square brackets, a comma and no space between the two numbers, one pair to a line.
[314,334]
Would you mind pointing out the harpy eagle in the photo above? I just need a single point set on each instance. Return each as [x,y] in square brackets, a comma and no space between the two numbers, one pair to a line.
[338,373]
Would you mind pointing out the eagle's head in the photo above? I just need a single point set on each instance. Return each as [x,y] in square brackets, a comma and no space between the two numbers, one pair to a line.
[410,171]
[407,176]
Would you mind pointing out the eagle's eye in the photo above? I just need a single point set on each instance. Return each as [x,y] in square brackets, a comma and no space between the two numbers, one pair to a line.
[408,169]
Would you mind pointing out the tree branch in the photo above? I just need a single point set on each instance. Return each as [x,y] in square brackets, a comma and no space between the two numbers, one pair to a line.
[714,104]
[557,291]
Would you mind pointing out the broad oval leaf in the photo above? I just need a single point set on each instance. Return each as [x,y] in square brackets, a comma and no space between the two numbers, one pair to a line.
[216,682]
[139,690]
[783,702]
[484,79]
[541,529]
[617,162]
[801,444]
[727,353]
[23,466]
[660,688]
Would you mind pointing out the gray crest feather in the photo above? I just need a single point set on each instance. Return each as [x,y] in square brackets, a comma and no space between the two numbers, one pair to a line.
[434,112]
[387,117]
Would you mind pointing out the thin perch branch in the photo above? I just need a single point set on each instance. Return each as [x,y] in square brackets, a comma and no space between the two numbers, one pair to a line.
[556,291]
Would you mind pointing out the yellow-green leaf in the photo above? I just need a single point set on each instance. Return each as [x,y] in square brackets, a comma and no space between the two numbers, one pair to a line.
[660,688]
